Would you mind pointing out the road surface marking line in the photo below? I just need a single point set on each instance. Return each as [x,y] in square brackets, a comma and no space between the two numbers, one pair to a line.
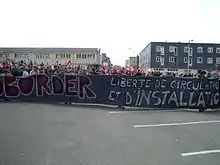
[176,124]
[200,152]
[121,112]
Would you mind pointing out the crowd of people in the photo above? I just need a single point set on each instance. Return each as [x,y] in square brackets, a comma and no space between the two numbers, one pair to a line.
[21,68]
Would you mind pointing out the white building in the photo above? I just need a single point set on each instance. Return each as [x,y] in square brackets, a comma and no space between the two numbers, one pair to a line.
[133,62]
[106,61]
[78,56]
[126,63]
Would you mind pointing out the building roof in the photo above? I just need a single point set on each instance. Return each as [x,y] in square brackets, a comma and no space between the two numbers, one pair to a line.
[180,43]
[192,42]
[51,50]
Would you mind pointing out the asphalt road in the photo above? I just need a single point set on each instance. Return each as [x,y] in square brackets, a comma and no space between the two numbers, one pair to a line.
[42,134]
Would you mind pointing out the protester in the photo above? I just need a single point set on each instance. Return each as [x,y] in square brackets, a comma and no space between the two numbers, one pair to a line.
[25,72]
[34,70]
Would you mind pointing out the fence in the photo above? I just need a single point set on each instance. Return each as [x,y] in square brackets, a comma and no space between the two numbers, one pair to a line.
[151,92]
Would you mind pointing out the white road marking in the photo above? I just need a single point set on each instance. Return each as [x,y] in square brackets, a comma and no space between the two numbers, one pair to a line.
[176,124]
[121,112]
[200,152]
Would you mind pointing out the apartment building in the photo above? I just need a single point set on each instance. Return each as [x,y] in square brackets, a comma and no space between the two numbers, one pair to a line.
[78,56]
[180,57]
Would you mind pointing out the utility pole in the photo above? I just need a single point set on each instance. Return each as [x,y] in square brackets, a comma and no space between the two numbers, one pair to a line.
[189,59]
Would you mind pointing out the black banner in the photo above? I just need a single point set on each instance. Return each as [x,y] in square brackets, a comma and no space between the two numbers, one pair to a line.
[152,92]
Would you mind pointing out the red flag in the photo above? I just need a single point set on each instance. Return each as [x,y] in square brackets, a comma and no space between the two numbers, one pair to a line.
[69,62]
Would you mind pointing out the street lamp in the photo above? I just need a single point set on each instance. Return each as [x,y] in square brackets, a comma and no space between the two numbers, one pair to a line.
[132,51]
[189,55]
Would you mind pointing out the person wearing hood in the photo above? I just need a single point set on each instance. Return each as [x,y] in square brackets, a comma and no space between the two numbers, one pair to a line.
[25,72]
[34,71]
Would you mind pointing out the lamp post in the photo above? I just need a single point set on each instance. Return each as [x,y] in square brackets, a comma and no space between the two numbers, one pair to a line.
[188,70]
[132,51]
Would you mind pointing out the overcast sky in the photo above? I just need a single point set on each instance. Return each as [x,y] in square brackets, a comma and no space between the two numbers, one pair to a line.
[112,25]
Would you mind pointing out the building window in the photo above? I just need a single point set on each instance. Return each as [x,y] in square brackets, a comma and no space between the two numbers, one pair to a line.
[217,50]
[200,50]
[199,60]
[186,49]
[158,59]
[93,56]
[171,48]
[210,50]
[217,60]
[162,51]
[158,69]
[171,59]
[175,51]
[185,60]
[78,56]
[209,60]
[46,56]
[158,48]
[5,54]
[162,61]
[190,51]
[172,70]
[62,55]
[83,56]
[57,55]
[190,61]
